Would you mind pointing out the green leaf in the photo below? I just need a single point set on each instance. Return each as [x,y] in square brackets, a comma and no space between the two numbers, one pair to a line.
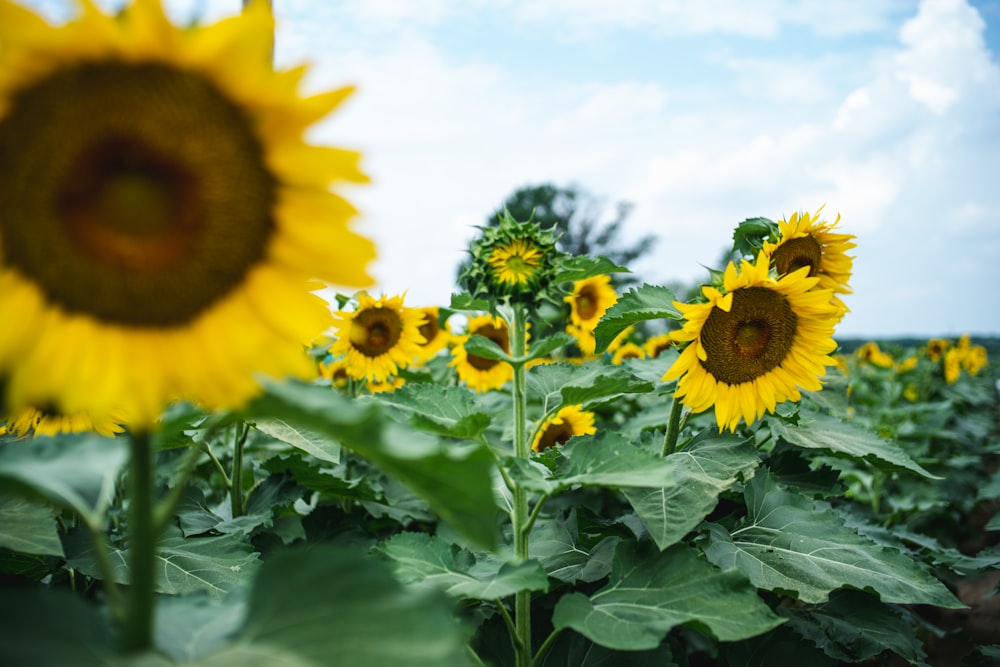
[649,302]
[556,545]
[214,565]
[314,444]
[310,608]
[28,527]
[464,302]
[854,627]
[47,627]
[573,650]
[749,236]
[340,481]
[548,345]
[650,593]
[699,473]
[788,544]
[456,480]
[816,430]
[74,472]
[419,558]
[451,411]
[481,346]
[188,627]
[581,267]
[562,384]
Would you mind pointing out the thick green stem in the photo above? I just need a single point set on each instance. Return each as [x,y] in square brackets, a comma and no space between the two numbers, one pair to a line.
[673,428]
[522,599]
[241,429]
[137,631]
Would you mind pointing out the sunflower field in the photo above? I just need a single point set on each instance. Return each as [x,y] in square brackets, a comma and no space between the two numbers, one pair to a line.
[204,463]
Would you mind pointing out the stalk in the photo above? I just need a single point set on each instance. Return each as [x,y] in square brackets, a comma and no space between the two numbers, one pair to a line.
[520,517]
[137,630]
[673,428]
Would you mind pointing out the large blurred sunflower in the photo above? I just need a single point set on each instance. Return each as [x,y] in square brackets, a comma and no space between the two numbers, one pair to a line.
[378,338]
[479,373]
[753,345]
[162,221]
[32,421]
[569,421]
[806,240]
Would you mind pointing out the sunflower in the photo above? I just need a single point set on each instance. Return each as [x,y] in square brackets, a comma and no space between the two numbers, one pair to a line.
[571,420]
[805,240]
[873,354]
[32,421]
[658,344]
[516,262]
[162,221]
[590,299]
[390,385]
[627,351]
[936,347]
[435,333]
[479,373]
[378,338]
[754,345]
[334,369]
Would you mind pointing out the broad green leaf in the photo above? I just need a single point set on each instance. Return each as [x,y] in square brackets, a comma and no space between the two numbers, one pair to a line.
[74,472]
[548,345]
[339,481]
[699,473]
[28,527]
[854,627]
[779,647]
[581,267]
[463,302]
[481,346]
[322,606]
[816,430]
[452,411]
[556,545]
[749,235]
[639,304]
[426,560]
[788,544]
[46,627]
[650,593]
[190,626]
[562,384]
[454,479]
[214,565]
[573,650]
[311,443]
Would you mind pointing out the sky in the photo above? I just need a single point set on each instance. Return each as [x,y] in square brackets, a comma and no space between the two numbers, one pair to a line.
[700,114]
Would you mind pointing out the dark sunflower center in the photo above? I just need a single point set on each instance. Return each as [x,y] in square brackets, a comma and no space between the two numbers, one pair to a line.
[429,329]
[792,255]
[751,339]
[555,434]
[586,304]
[374,331]
[133,193]
[498,336]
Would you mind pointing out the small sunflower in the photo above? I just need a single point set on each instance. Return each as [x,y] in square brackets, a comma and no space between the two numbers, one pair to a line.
[754,345]
[479,373]
[590,299]
[657,345]
[162,220]
[569,421]
[952,365]
[975,359]
[378,337]
[32,421]
[873,354]
[936,347]
[435,333]
[388,386]
[334,369]
[517,262]
[627,351]
[805,240]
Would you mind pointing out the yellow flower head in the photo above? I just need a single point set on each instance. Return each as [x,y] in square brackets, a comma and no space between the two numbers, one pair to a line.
[590,299]
[753,345]
[569,421]
[435,333]
[627,351]
[952,365]
[334,369]
[873,354]
[658,344]
[162,220]
[479,373]
[936,347]
[975,360]
[515,263]
[378,337]
[806,240]
[32,421]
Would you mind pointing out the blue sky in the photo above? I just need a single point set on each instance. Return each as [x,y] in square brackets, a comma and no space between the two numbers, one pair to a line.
[699,113]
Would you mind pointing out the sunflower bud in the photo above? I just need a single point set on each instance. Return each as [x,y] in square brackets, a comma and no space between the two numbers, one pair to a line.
[512,263]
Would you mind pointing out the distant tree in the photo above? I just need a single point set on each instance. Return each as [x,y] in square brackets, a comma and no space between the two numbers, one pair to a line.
[576,216]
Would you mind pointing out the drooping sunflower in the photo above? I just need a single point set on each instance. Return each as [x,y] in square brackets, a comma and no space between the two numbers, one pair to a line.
[378,337]
[873,354]
[435,333]
[32,421]
[479,373]
[569,421]
[806,240]
[754,344]
[162,220]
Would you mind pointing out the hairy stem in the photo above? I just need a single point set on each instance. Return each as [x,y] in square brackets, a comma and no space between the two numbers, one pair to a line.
[137,631]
